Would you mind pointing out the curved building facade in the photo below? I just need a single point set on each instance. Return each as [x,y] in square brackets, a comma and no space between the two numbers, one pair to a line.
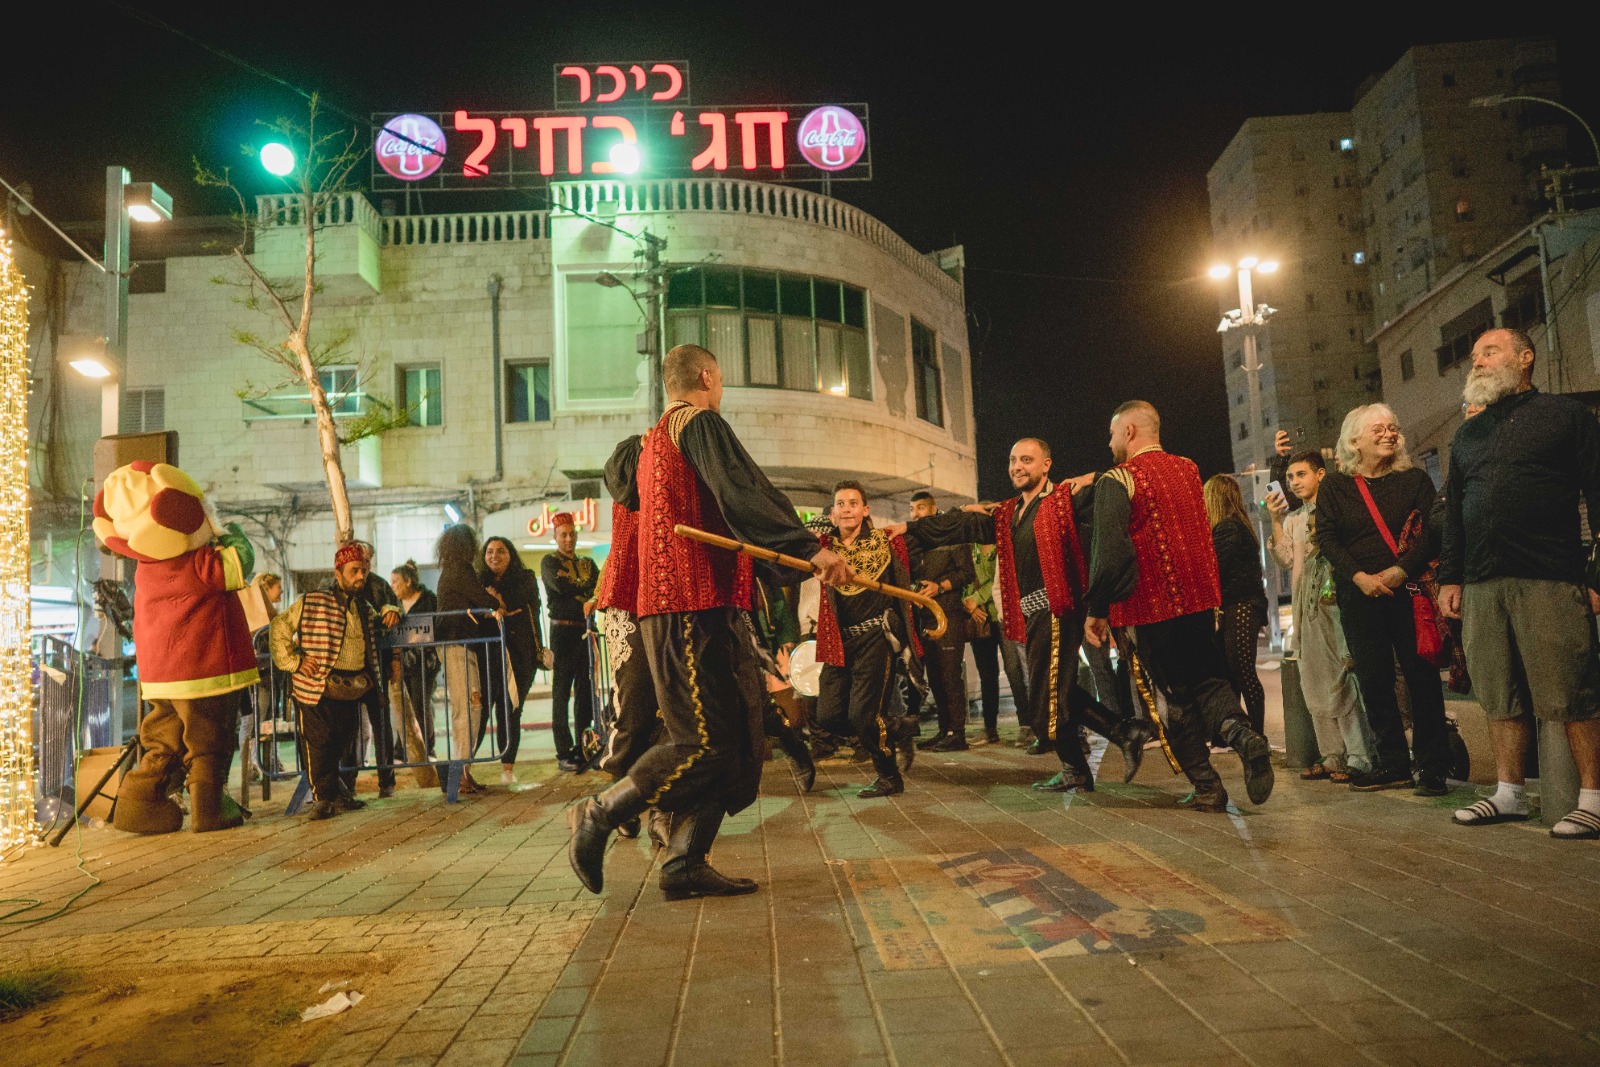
[510,340]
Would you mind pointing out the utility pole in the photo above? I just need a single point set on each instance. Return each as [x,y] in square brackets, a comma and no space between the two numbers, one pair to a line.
[655,347]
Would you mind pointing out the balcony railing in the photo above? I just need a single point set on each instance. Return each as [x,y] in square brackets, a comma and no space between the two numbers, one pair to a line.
[602,198]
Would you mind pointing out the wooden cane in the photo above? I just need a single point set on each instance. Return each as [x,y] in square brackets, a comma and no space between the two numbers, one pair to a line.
[756,551]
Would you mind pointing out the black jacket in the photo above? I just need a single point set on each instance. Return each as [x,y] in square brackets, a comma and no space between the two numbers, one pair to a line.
[1350,540]
[1239,563]
[1511,498]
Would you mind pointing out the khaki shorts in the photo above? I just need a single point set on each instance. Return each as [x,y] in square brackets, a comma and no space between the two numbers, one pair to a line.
[1531,648]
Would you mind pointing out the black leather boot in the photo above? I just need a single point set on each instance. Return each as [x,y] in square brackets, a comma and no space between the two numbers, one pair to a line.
[1255,754]
[660,827]
[685,868]
[1129,735]
[1208,796]
[1071,779]
[591,822]
[794,746]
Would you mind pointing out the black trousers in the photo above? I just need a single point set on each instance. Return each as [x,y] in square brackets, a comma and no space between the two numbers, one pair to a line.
[1185,662]
[328,727]
[947,681]
[1060,704]
[638,722]
[706,756]
[571,686]
[1381,632]
[375,707]
[860,692]
[986,657]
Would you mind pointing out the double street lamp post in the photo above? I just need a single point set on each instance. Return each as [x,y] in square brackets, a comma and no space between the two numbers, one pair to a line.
[1250,318]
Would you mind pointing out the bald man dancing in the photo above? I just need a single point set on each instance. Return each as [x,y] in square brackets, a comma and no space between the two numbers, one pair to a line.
[1149,518]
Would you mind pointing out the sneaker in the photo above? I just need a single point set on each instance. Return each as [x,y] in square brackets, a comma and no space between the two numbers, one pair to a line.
[507,776]
[1379,779]
[1430,785]
[569,764]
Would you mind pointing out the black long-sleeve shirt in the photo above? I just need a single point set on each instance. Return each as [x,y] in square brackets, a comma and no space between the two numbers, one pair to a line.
[947,563]
[1238,562]
[1350,540]
[1113,563]
[1511,498]
[751,505]
[569,584]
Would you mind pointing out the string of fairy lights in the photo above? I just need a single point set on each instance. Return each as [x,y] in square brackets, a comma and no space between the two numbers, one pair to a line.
[17,825]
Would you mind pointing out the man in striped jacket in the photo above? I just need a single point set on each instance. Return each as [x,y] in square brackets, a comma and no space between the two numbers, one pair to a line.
[327,643]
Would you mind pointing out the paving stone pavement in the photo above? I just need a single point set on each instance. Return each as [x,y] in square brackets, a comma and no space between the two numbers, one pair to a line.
[969,921]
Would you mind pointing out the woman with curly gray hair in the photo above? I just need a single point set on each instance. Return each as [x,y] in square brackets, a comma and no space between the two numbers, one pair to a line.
[1377,483]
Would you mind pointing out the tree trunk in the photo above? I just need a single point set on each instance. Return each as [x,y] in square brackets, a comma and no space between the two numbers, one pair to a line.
[328,439]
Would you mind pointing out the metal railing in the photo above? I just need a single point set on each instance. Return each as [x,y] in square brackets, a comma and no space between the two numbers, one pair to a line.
[713,195]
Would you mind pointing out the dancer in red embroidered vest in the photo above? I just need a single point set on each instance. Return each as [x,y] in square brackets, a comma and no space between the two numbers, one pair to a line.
[1151,536]
[694,471]
[1041,578]
[859,635]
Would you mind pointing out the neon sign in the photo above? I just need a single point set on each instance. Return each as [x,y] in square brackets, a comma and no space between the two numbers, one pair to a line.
[625,118]
[831,138]
[417,152]
[584,516]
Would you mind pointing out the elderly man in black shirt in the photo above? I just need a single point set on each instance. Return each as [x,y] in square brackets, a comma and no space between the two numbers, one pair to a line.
[1512,569]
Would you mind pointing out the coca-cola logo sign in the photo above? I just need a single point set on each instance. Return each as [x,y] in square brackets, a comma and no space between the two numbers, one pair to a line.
[415,153]
[831,138]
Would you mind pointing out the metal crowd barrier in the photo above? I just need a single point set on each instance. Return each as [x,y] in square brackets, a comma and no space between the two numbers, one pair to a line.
[81,702]
[427,681]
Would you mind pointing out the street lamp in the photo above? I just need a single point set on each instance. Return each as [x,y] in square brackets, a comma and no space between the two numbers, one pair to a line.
[1496,101]
[142,202]
[1250,318]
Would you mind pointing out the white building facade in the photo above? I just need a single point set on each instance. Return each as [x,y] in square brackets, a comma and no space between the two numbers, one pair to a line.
[518,369]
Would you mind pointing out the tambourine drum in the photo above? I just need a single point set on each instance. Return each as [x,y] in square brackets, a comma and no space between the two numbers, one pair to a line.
[805,673]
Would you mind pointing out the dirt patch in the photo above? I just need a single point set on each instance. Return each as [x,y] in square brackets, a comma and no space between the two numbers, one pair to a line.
[190,1014]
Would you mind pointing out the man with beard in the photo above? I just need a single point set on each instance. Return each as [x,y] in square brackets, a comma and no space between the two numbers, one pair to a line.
[1041,593]
[1153,568]
[1513,570]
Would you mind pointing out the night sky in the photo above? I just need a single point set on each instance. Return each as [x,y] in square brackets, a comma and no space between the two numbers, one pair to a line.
[1070,160]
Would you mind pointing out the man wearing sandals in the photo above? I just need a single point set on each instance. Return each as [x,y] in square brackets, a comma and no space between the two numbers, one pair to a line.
[1513,570]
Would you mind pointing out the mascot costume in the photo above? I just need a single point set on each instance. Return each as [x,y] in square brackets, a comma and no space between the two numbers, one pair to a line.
[191,643]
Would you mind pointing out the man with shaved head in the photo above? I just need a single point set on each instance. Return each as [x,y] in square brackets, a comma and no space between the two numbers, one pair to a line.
[1153,568]
[693,471]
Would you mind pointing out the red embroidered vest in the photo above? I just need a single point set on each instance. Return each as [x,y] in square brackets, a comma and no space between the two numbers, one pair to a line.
[1171,542]
[1061,562]
[619,583]
[675,573]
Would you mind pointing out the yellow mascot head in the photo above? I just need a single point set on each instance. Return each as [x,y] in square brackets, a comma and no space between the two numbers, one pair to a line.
[151,512]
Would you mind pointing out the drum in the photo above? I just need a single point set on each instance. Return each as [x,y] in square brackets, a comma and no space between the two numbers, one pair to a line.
[805,672]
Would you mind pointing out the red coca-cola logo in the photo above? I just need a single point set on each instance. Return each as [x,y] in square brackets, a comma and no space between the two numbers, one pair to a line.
[410,147]
[831,138]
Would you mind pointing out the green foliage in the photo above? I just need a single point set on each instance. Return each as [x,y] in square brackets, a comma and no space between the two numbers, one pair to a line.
[26,989]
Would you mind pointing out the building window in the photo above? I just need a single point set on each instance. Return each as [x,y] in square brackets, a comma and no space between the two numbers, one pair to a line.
[528,390]
[340,384]
[419,393]
[1524,303]
[772,330]
[142,411]
[1244,432]
[1408,366]
[925,371]
[1358,258]
[1347,144]
[1457,335]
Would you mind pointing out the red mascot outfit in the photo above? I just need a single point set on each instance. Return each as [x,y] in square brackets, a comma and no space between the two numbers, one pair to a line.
[191,641]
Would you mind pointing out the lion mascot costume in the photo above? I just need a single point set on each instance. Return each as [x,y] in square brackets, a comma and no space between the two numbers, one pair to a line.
[191,643]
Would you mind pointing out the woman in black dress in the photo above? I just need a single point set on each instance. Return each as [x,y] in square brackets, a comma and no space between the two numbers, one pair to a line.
[504,575]
[1244,597]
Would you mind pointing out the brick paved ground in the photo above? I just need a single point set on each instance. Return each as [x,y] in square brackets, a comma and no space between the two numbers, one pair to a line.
[970,921]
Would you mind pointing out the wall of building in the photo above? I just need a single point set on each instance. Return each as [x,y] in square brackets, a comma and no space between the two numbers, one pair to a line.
[405,291]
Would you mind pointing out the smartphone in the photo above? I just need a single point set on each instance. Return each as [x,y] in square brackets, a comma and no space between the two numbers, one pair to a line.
[1275,486]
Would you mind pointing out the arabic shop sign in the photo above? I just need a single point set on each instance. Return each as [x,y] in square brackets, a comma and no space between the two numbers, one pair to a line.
[620,120]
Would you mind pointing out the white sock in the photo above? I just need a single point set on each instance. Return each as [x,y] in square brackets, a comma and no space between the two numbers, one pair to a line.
[1589,801]
[1509,798]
